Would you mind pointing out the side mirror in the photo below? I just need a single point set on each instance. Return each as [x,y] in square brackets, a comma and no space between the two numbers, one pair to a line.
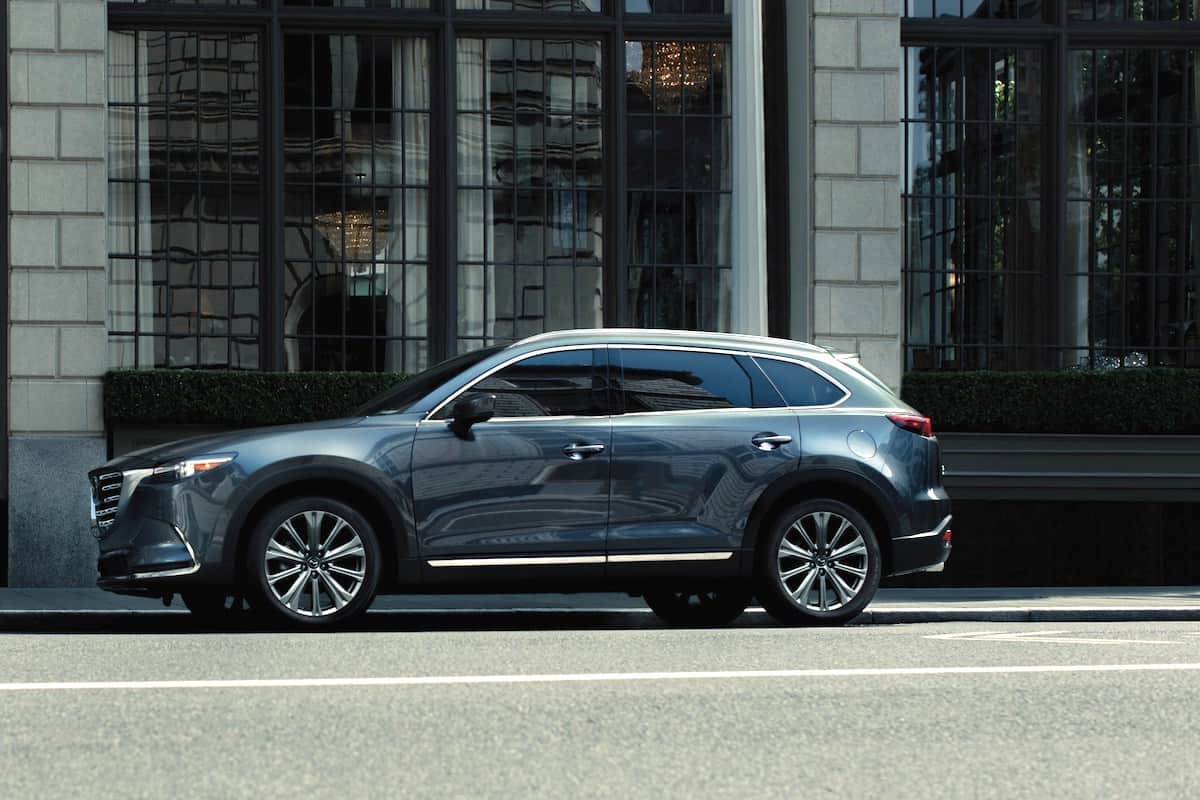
[472,409]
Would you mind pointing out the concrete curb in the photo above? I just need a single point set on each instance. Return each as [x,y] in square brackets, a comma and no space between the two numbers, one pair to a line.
[14,618]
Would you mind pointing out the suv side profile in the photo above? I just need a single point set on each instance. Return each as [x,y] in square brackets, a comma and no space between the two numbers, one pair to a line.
[696,470]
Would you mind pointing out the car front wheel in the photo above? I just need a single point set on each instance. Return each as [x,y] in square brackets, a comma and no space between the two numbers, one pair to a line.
[715,607]
[819,564]
[315,562]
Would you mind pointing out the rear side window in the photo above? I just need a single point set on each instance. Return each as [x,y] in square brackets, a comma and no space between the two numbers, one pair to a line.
[682,380]
[799,385]
[567,383]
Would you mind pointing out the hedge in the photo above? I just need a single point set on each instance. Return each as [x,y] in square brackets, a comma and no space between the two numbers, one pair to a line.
[1129,401]
[237,399]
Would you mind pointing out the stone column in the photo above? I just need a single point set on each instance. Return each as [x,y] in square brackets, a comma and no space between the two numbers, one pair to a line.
[749,172]
[856,259]
[57,339]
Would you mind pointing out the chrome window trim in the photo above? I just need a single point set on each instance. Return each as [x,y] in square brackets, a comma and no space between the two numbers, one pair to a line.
[519,357]
[811,367]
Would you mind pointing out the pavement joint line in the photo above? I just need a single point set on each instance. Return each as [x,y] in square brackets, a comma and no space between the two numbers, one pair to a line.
[597,677]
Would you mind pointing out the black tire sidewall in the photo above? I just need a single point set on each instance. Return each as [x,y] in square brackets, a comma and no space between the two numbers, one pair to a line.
[257,547]
[774,596]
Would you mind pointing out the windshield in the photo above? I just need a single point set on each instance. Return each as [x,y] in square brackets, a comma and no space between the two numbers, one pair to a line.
[397,400]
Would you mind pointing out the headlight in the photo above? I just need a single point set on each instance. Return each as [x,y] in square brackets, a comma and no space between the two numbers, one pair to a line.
[188,468]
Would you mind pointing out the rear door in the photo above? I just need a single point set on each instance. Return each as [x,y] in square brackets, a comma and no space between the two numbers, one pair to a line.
[690,454]
[528,487]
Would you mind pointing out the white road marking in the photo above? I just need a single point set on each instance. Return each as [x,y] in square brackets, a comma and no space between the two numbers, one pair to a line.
[1053,637]
[587,677]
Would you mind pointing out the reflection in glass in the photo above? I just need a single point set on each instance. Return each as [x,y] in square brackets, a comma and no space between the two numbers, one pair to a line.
[531,210]
[678,207]
[184,202]
[356,139]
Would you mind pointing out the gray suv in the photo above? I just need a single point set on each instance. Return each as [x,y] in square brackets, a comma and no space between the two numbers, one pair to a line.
[697,470]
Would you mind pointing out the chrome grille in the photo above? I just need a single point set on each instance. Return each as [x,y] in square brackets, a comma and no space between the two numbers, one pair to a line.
[106,498]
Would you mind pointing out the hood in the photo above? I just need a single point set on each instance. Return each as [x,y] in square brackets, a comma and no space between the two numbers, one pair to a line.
[215,443]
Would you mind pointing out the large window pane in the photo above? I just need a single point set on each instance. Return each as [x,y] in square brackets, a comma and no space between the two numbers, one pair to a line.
[1132,230]
[529,5]
[356,146]
[184,199]
[975,271]
[530,206]
[679,203]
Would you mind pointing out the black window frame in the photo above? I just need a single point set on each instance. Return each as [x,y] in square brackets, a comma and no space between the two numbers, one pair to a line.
[1055,32]
[443,23]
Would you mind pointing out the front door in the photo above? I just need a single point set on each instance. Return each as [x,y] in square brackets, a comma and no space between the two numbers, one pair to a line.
[527,488]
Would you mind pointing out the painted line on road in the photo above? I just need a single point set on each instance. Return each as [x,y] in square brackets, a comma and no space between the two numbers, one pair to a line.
[1050,637]
[586,677]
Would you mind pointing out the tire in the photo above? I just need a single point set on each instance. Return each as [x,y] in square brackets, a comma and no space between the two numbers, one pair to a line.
[716,607]
[286,559]
[802,580]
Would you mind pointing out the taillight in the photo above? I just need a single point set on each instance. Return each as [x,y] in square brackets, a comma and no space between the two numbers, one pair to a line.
[914,423]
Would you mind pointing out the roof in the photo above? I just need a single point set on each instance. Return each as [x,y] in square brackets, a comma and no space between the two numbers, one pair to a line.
[733,341]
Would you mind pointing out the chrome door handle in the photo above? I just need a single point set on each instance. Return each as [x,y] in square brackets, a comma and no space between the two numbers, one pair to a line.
[769,441]
[578,452]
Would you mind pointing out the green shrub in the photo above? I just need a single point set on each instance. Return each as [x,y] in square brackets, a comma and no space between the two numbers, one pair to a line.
[1130,401]
[237,399]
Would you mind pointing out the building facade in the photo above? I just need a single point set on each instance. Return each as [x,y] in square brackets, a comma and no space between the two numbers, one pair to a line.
[379,184]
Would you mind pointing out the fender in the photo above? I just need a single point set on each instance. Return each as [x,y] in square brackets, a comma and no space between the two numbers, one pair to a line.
[852,477]
[223,548]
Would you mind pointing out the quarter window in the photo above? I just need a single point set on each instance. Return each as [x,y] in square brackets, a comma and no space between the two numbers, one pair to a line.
[799,385]
[569,383]
[680,380]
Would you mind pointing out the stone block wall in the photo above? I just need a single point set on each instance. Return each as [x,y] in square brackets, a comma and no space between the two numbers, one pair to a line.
[57,286]
[857,295]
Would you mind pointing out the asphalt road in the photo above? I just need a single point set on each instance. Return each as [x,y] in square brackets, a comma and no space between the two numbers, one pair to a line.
[602,706]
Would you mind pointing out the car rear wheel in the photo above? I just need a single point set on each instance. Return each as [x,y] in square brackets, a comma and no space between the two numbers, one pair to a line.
[819,564]
[715,607]
[315,562]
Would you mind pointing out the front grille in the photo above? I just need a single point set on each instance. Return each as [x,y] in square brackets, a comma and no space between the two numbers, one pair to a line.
[106,498]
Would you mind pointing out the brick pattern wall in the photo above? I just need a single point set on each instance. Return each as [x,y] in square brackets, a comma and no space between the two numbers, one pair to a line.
[57,342]
[857,294]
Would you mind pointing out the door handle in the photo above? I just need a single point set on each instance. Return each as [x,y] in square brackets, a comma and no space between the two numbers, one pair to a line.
[769,441]
[578,452]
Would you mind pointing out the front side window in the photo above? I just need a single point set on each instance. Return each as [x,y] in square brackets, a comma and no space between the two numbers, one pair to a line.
[570,383]
[682,380]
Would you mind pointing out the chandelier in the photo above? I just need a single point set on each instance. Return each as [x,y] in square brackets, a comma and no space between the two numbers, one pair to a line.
[677,69]
[360,235]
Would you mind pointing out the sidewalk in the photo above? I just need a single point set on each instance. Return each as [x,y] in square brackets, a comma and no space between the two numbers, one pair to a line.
[891,606]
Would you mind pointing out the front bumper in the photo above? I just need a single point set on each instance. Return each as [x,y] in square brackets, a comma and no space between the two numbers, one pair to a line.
[144,550]
[926,551]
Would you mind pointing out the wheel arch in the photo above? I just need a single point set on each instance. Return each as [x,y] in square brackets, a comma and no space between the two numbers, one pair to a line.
[351,484]
[854,490]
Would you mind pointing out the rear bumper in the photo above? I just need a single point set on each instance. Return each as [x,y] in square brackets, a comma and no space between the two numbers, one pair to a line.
[926,551]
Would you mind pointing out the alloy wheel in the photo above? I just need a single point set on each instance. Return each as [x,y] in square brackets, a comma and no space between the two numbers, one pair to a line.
[823,561]
[315,563]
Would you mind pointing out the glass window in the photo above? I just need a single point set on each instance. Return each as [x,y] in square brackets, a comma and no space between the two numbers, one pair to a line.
[530,188]
[184,204]
[679,172]
[1132,10]
[400,399]
[681,380]
[529,5]
[677,6]
[986,9]
[799,385]
[356,240]
[567,383]
[976,273]
[417,4]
